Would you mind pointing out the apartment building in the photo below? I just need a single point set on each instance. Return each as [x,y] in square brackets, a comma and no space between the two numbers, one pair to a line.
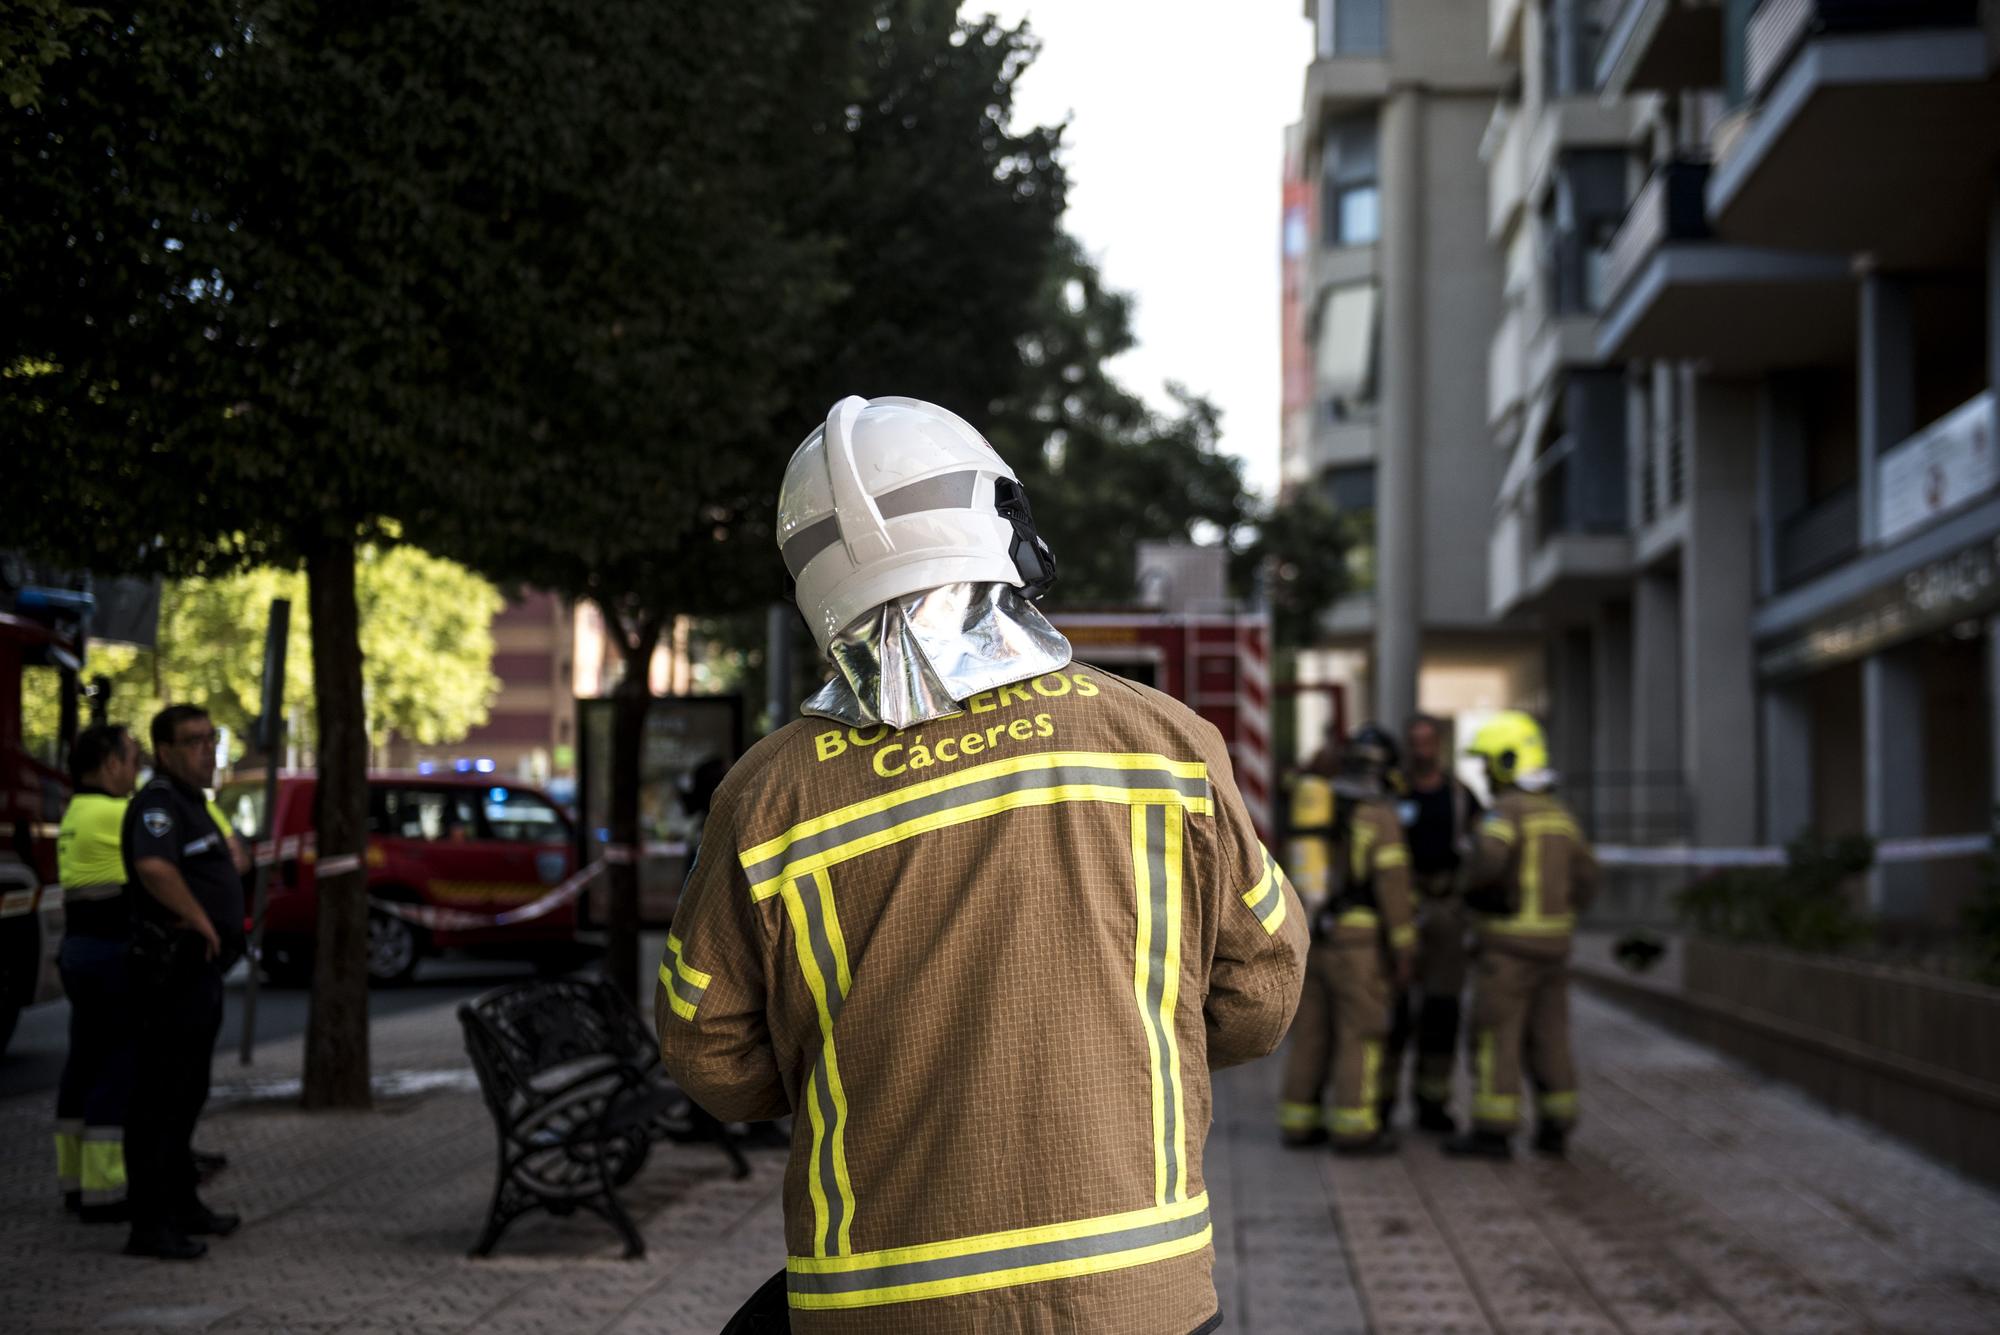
[1753,509]
[1391,294]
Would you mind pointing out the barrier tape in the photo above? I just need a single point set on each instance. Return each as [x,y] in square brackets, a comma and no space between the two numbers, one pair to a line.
[620,855]
[427,915]
[1887,850]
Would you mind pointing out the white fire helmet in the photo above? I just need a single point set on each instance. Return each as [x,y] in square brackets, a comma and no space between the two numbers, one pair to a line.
[894,496]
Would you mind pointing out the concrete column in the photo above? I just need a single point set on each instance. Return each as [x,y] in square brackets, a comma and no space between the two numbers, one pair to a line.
[1398,470]
[1892,712]
[1888,385]
[1993,706]
[1718,594]
[1638,430]
[1787,762]
[1656,697]
[1572,717]
[1664,406]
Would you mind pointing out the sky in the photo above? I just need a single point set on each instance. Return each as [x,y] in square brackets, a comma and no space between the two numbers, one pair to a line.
[1175,157]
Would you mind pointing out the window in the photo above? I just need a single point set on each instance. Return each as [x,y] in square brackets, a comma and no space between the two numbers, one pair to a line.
[1349,28]
[1351,198]
[1351,487]
[431,814]
[515,817]
[1572,37]
[1580,221]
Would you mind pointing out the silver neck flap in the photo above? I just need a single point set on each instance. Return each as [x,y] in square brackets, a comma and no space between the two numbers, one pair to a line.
[913,659]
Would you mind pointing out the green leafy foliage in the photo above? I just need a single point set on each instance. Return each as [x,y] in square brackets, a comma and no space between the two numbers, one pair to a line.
[426,643]
[1305,551]
[1808,905]
[35,34]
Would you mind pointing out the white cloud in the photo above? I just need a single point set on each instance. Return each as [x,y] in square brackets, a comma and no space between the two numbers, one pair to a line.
[1175,157]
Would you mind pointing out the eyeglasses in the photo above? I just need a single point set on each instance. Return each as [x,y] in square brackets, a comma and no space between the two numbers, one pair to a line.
[208,738]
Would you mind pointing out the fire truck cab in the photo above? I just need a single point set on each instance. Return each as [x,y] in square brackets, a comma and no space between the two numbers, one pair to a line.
[41,631]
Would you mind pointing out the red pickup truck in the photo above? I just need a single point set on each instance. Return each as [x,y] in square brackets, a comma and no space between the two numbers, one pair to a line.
[465,842]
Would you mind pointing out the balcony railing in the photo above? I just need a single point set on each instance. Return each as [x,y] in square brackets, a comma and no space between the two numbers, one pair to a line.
[1779,27]
[1819,537]
[1580,489]
[1669,207]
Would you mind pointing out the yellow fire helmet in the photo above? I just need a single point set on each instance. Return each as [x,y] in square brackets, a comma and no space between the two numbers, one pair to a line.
[1511,745]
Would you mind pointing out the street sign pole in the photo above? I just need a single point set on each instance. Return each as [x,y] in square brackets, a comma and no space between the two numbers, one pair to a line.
[270,733]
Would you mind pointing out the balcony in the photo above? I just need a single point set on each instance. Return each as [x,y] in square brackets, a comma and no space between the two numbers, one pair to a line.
[1779,28]
[1506,376]
[1819,537]
[1562,542]
[1859,107]
[1674,291]
[1661,45]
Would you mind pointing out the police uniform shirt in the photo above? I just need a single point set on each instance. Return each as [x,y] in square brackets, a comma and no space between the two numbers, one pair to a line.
[90,865]
[172,821]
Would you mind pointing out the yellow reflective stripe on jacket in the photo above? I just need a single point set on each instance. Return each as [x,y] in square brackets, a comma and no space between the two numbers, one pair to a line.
[1267,897]
[1531,921]
[1299,1116]
[88,842]
[822,955]
[1404,937]
[1000,1260]
[1357,918]
[1156,981]
[984,790]
[1359,860]
[685,984]
[1499,827]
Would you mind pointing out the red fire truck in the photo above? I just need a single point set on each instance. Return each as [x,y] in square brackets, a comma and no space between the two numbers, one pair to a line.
[1216,663]
[32,794]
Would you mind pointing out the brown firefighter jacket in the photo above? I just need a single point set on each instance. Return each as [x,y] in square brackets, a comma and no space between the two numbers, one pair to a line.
[1532,874]
[1371,876]
[988,962]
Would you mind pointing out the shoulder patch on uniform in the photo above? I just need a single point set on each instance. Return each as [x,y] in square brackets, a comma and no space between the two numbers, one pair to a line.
[158,821]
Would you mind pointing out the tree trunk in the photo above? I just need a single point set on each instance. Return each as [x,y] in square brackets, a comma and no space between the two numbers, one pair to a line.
[633,698]
[336,1074]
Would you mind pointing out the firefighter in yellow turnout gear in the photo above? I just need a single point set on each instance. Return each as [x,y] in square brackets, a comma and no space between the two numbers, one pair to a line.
[1363,938]
[1532,874]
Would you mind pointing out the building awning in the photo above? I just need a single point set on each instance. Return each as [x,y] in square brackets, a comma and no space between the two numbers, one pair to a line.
[1346,346]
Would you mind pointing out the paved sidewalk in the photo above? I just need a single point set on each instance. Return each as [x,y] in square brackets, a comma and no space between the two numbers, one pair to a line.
[1698,1197]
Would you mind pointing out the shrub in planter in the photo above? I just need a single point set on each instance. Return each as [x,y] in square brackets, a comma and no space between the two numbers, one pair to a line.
[1804,906]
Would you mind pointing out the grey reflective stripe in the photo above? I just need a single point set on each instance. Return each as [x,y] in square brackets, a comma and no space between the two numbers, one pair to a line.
[200,845]
[684,987]
[1003,1258]
[1274,888]
[811,897]
[808,542]
[1156,987]
[950,491]
[86,894]
[102,1134]
[968,794]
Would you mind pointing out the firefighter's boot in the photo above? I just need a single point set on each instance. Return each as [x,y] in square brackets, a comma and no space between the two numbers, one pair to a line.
[1382,1142]
[1552,1138]
[1434,1117]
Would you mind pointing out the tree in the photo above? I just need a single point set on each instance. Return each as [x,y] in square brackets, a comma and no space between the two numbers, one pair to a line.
[34,35]
[426,637]
[288,271]
[915,224]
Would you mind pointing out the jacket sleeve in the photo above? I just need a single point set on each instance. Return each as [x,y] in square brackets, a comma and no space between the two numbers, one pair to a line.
[1256,967]
[709,1006]
[1488,883]
[1389,871]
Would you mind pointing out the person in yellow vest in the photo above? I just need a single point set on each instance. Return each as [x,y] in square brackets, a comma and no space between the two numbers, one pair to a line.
[97,1075]
[1531,874]
[1363,942]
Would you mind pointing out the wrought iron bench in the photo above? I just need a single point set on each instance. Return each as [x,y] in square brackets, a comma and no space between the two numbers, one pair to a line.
[574,1083]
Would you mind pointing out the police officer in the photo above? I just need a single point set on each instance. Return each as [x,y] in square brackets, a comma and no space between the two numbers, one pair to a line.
[1439,814]
[1531,875]
[1363,942]
[188,927]
[97,935]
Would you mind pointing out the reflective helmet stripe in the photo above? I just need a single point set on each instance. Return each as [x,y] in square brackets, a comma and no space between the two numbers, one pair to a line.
[947,491]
